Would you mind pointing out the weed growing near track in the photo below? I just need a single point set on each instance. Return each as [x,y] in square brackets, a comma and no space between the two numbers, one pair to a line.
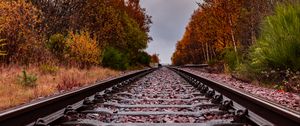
[27,80]
[38,84]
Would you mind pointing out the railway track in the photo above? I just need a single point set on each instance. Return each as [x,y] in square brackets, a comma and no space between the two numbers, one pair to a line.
[167,96]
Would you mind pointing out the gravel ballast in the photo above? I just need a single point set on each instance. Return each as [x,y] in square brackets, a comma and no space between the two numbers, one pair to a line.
[287,99]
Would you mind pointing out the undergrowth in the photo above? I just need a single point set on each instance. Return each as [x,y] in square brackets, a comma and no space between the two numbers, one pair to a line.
[275,58]
[279,43]
[27,80]
[48,69]
[68,82]
[18,86]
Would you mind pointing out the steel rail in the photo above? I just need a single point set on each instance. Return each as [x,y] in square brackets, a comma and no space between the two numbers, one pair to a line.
[270,111]
[195,65]
[31,112]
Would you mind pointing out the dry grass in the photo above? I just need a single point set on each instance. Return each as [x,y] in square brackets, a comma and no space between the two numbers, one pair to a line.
[13,94]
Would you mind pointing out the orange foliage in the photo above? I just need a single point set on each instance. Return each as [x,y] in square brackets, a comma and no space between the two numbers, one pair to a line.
[27,25]
[82,48]
[154,58]
[2,53]
[217,25]
[135,11]
[19,23]
[103,18]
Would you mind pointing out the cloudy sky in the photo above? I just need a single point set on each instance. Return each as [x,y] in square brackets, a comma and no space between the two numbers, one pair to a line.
[170,18]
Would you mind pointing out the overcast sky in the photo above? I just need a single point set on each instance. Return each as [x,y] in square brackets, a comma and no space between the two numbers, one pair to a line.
[170,18]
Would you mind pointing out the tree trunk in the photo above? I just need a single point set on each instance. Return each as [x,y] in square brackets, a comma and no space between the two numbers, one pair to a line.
[207,53]
[203,53]
[253,36]
[232,36]
[233,40]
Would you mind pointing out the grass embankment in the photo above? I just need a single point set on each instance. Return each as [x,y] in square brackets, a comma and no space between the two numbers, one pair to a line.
[46,81]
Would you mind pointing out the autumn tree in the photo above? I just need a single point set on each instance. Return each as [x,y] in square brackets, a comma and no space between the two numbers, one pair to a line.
[58,15]
[106,19]
[20,27]
[154,58]
[82,48]
[120,24]
[2,53]
[48,24]
[2,44]
[135,11]
[221,29]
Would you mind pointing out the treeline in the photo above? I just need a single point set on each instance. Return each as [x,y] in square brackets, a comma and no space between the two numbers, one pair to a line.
[223,30]
[112,33]
[219,25]
[253,37]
